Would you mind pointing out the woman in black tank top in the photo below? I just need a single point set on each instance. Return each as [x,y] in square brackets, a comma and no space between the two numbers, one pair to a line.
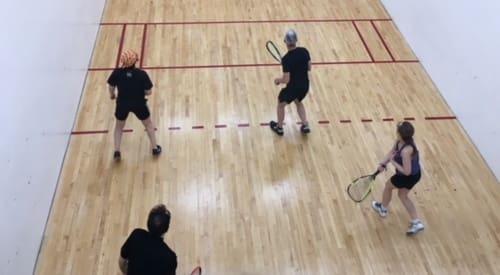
[405,159]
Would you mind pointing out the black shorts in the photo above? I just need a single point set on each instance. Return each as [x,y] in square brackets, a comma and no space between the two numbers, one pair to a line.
[289,94]
[402,181]
[140,110]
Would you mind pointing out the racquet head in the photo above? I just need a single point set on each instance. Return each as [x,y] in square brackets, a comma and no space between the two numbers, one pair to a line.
[361,187]
[273,50]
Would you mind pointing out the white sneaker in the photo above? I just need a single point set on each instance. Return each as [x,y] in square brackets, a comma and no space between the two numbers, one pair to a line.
[414,228]
[381,210]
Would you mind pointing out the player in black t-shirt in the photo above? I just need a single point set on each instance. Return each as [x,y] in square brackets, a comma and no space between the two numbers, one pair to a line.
[145,252]
[296,66]
[133,86]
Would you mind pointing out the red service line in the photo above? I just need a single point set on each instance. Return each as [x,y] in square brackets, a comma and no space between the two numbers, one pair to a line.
[143,46]
[382,40]
[247,125]
[91,132]
[222,22]
[187,67]
[363,41]
[120,47]
[441,118]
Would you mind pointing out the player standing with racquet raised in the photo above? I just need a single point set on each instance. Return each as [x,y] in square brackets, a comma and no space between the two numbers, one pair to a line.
[296,65]
[404,157]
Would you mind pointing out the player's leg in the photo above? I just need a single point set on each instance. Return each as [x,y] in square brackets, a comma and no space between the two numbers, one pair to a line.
[284,98]
[381,207]
[121,114]
[410,207]
[150,129]
[119,125]
[281,113]
[301,110]
[415,224]
[143,114]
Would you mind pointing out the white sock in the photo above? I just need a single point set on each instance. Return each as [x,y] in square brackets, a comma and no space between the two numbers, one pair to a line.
[415,221]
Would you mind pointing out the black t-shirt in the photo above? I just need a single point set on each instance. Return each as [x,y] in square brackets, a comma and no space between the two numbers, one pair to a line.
[296,62]
[131,83]
[148,255]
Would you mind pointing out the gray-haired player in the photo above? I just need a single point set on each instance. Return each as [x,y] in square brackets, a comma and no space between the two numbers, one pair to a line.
[296,66]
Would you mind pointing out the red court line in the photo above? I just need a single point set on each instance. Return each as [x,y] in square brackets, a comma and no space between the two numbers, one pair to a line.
[383,41]
[120,47]
[246,125]
[89,132]
[440,117]
[363,40]
[143,45]
[187,67]
[245,21]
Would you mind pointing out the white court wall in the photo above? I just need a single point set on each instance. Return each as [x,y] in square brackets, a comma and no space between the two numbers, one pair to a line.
[458,42]
[46,48]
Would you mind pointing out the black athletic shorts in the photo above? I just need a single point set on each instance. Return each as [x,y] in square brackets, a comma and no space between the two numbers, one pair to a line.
[402,181]
[140,110]
[289,94]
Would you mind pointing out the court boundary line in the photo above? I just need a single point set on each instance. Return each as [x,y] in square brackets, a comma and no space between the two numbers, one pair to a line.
[143,46]
[120,46]
[363,41]
[383,41]
[323,122]
[250,65]
[223,22]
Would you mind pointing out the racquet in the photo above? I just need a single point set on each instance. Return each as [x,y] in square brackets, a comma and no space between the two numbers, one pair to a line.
[196,271]
[275,53]
[361,187]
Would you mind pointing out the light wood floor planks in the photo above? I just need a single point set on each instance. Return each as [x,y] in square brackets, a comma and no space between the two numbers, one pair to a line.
[245,201]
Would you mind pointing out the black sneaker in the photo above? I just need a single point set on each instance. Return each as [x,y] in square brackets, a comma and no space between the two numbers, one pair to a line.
[117,155]
[157,150]
[274,126]
[305,129]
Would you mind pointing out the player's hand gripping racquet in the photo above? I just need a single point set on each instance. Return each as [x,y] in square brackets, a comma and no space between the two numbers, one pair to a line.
[361,187]
[271,48]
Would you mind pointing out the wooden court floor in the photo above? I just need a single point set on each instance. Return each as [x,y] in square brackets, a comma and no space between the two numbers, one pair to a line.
[245,201]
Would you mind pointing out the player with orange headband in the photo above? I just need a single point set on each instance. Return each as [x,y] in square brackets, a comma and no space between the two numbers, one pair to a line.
[133,86]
